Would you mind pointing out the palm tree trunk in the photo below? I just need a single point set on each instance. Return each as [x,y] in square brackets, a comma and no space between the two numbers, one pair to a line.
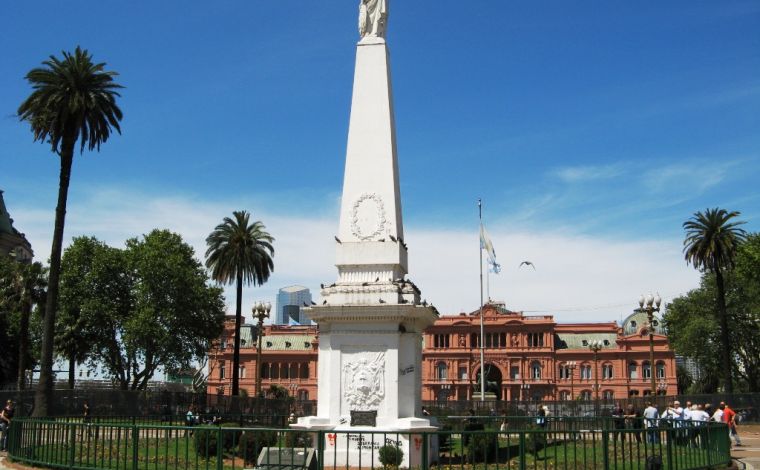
[23,340]
[725,336]
[238,317]
[44,395]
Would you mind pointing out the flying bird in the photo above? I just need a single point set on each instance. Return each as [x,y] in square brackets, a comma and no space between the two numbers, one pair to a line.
[338,240]
[527,263]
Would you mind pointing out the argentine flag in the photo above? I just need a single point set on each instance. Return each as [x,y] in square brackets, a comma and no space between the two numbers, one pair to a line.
[486,244]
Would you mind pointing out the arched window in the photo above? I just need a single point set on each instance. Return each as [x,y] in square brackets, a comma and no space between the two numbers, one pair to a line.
[265,370]
[284,371]
[608,395]
[586,395]
[441,371]
[586,372]
[607,371]
[633,370]
[646,370]
[274,371]
[304,371]
[660,370]
[241,372]
[564,395]
[535,370]
[294,371]
[303,395]
[222,369]
[474,340]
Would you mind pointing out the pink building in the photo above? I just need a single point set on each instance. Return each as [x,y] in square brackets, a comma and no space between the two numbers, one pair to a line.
[526,357]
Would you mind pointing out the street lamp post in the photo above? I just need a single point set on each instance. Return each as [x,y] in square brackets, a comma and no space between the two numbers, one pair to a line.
[260,311]
[596,346]
[571,365]
[652,305]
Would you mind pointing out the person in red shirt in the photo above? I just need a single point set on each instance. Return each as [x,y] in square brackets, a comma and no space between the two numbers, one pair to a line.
[729,417]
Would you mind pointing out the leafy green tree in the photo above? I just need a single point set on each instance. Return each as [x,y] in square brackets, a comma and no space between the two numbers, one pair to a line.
[147,306]
[22,288]
[74,99]
[711,242]
[683,379]
[744,306]
[95,284]
[239,252]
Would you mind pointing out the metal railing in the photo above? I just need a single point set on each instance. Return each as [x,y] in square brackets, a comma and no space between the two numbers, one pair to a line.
[462,442]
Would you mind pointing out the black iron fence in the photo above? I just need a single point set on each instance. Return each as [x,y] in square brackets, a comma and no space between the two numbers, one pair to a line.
[156,403]
[568,443]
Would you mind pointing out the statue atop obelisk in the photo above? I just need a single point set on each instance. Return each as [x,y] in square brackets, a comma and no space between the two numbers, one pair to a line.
[371,319]
[373,18]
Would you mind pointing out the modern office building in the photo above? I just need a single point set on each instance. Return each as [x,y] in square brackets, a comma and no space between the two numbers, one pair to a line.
[290,303]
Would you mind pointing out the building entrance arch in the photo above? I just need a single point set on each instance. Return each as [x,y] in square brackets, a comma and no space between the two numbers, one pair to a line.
[493,380]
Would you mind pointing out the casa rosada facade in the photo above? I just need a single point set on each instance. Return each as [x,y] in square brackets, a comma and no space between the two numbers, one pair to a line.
[526,358]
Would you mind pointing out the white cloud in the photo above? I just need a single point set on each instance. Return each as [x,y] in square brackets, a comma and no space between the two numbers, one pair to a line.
[580,174]
[576,278]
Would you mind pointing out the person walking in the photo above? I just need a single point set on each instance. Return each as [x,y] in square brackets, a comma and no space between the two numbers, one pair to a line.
[618,419]
[6,416]
[651,416]
[729,417]
[633,420]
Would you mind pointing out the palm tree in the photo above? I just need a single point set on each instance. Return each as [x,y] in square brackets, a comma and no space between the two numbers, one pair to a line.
[73,100]
[710,245]
[239,252]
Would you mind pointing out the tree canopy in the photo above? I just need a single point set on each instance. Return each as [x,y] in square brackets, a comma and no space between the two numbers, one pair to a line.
[146,306]
[693,322]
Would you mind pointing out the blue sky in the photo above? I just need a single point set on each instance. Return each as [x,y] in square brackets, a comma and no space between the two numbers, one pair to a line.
[603,125]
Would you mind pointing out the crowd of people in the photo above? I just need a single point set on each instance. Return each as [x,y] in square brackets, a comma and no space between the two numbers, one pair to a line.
[674,415]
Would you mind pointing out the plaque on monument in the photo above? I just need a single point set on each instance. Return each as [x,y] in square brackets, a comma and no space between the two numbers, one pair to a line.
[364,418]
[282,458]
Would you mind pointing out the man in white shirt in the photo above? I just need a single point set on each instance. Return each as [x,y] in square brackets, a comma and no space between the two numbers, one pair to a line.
[687,416]
[650,422]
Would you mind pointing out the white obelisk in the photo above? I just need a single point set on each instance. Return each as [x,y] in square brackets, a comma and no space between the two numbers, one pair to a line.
[371,322]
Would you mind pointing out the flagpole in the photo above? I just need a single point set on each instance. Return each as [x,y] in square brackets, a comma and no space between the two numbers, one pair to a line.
[482,355]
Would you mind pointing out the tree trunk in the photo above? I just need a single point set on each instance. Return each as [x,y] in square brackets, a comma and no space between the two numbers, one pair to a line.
[72,369]
[44,394]
[725,336]
[23,340]
[238,318]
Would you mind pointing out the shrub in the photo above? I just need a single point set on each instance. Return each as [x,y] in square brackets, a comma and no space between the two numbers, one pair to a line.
[253,440]
[535,441]
[206,444]
[483,447]
[297,439]
[390,455]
